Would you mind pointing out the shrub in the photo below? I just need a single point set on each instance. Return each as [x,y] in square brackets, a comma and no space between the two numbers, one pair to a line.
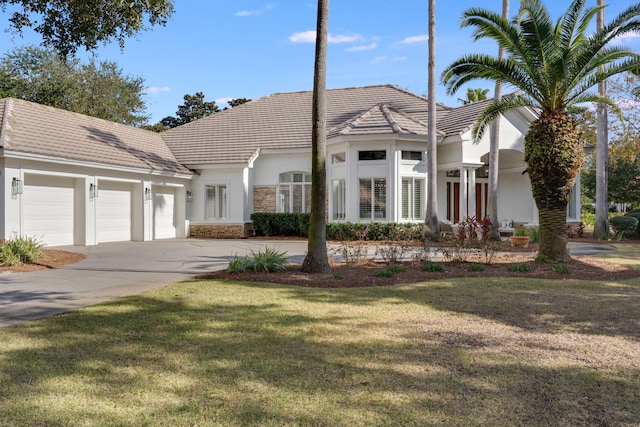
[269,260]
[636,215]
[280,224]
[241,264]
[534,235]
[520,268]
[20,250]
[624,225]
[561,268]
[432,267]
[476,267]
[390,271]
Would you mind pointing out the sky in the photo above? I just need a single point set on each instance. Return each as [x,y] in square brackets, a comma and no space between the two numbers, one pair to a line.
[252,48]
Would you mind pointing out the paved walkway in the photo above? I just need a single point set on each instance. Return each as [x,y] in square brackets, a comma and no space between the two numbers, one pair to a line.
[113,270]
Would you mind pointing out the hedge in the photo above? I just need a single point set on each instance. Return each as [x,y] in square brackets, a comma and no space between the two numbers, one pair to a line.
[624,226]
[280,224]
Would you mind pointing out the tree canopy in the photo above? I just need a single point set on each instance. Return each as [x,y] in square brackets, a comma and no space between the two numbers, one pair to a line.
[65,25]
[95,89]
[474,95]
[193,108]
[238,101]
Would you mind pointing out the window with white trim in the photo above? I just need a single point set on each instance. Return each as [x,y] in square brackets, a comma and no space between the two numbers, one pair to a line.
[339,194]
[412,199]
[216,204]
[373,199]
[294,192]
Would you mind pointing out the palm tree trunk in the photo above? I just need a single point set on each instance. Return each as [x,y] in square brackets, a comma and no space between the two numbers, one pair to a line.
[316,260]
[601,227]
[494,151]
[432,224]
[553,235]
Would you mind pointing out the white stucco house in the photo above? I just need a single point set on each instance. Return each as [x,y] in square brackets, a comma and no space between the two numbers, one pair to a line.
[73,179]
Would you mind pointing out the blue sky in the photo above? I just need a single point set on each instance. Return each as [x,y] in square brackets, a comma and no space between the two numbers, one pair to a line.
[245,48]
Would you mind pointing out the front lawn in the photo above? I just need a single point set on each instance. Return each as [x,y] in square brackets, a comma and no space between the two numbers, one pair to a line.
[473,351]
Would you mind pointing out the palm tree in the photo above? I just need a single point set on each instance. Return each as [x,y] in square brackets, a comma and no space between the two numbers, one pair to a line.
[474,95]
[601,226]
[432,223]
[554,64]
[494,150]
[316,260]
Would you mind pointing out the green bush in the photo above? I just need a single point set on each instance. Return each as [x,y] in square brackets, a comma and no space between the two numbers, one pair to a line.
[534,234]
[280,224]
[374,231]
[561,268]
[390,271]
[432,267]
[520,268]
[476,267]
[636,215]
[20,250]
[624,226]
[269,260]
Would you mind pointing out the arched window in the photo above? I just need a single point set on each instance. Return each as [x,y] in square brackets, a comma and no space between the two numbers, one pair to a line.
[294,192]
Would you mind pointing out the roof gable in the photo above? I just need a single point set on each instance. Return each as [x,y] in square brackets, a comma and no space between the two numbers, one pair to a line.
[283,120]
[37,129]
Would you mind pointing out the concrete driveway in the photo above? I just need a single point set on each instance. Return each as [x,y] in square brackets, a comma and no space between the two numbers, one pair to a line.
[113,270]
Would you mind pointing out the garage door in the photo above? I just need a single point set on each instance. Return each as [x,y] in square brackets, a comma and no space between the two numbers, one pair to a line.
[114,211]
[48,204]
[164,224]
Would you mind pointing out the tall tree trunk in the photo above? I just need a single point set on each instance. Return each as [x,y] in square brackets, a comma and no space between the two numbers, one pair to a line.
[494,150]
[554,153]
[316,260]
[432,224]
[601,227]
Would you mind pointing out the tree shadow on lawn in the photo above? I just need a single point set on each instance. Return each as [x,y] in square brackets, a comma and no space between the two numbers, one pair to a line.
[178,360]
[588,307]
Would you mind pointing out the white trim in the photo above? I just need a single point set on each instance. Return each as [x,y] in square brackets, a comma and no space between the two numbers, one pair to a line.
[92,165]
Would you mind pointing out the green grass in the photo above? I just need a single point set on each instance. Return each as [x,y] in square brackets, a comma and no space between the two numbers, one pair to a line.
[461,352]
[626,254]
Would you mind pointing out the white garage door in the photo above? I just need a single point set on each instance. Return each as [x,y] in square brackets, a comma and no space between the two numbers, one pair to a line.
[164,224]
[48,204]
[114,211]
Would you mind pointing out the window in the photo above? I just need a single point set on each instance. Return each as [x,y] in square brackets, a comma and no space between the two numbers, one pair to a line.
[372,155]
[412,198]
[216,205]
[338,158]
[373,198]
[339,198]
[412,155]
[294,192]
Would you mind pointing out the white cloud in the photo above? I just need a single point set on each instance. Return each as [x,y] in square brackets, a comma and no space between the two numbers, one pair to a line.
[629,37]
[255,12]
[423,38]
[360,48]
[310,37]
[304,37]
[379,59]
[154,90]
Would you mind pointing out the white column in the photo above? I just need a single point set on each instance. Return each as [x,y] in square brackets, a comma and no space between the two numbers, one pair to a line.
[463,193]
[471,204]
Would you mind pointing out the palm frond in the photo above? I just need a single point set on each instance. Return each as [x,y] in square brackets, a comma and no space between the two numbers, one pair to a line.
[493,111]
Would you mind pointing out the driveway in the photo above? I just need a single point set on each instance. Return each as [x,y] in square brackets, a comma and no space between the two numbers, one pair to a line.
[113,270]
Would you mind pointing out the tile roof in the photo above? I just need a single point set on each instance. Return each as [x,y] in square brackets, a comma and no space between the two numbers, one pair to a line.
[283,120]
[32,128]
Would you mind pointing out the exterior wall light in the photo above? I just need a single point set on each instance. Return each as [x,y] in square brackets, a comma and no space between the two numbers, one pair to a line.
[189,196]
[147,194]
[16,187]
[93,191]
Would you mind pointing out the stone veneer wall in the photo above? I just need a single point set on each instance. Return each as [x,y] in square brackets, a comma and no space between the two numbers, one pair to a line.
[221,231]
[264,198]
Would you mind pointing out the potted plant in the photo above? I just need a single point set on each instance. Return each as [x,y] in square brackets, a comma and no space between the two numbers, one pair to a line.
[520,238]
